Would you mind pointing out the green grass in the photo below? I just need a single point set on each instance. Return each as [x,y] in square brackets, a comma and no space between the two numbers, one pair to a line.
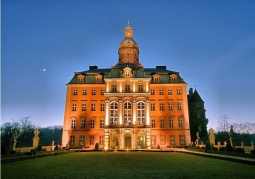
[130,165]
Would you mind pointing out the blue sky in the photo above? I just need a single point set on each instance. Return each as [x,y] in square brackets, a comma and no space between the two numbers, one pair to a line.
[211,44]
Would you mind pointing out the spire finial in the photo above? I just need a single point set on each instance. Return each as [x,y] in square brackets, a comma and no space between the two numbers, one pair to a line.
[128,22]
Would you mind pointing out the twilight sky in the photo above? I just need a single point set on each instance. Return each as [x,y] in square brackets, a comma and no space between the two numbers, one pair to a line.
[211,43]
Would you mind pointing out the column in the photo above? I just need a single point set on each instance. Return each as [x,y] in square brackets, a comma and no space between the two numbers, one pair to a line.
[107,109]
[106,139]
[148,139]
[147,112]
[134,111]
[120,110]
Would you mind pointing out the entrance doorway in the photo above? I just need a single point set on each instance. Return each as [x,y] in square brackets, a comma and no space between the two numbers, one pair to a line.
[127,137]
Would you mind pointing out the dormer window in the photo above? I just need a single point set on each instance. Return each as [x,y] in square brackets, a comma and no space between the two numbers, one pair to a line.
[173,78]
[99,78]
[127,73]
[80,78]
[156,78]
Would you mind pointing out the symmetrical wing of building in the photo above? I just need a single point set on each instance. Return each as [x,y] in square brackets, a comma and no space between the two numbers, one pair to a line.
[126,106]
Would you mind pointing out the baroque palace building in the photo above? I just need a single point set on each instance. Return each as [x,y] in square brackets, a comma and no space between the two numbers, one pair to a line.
[127,106]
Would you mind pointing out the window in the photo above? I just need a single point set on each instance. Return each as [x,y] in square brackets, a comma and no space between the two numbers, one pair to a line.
[80,80]
[156,79]
[172,140]
[72,139]
[127,87]
[127,113]
[102,92]
[93,92]
[75,92]
[127,72]
[180,122]
[114,88]
[153,124]
[153,140]
[140,113]
[161,106]
[99,80]
[179,106]
[140,87]
[83,107]
[152,106]
[170,92]
[74,107]
[162,123]
[152,92]
[73,124]
[101,123]
[92,123]
[82,140]
[91,140]
[171,122]
[101,107]
[162,140]
[170,106]
[84,92]
[113,113]
[160,92]
[83,123]
[101,140]
[182,141]
[179,91]
[93,107]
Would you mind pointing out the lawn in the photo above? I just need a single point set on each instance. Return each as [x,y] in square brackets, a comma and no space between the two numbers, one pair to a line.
[130,165]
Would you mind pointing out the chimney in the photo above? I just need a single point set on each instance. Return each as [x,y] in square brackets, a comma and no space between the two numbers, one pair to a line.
[93,67]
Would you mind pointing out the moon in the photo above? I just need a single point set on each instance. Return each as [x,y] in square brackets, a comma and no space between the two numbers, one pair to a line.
[44,69]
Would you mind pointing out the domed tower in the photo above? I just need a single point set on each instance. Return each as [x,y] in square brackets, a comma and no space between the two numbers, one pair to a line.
[128,48]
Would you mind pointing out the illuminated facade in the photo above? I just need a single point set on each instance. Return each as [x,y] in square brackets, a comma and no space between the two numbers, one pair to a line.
[126,106]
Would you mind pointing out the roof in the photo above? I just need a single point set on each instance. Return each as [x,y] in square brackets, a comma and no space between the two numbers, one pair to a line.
[195,97]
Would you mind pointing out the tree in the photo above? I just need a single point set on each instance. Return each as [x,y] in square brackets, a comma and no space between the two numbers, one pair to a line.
[223,124]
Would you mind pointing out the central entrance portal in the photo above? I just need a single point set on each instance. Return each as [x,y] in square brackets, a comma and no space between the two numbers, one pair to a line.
[127,137]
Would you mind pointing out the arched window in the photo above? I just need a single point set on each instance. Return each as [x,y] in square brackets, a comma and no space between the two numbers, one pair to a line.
[114,113]
[127,113]
[140,113]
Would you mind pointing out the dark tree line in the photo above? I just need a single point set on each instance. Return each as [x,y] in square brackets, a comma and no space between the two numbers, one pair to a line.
[22,131]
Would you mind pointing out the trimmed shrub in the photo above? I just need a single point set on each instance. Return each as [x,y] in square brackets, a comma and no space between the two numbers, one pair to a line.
[239,150]
[33,151]
[215,148]
[253,152]
[12,152]
[229,148]
[39,148]
[3,150]
[208,146]
[43,149]
[97,146]
[222,149]
[56,147]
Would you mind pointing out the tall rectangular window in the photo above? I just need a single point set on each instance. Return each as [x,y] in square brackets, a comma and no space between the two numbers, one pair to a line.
[162,140]
[152,92]
[91,140]
[75,92]
[179,106]
[172,139]
[83,107]
[92,123]
[161,106]
[161,92]
[101,140]
[140,87]
[170,106]
[72,140]
[162,123]
[153,140]
[170,92]
[73,124]
[180,122]
[179,91]
[82,140]
[101,123]
[127,87]
[182,139]
[83,123]
[93,92]
[152,106]
[171,122]
[153,123]
[84,92]
[114,88]
[101,107]
[93,107]
[74,107]
[102,92]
